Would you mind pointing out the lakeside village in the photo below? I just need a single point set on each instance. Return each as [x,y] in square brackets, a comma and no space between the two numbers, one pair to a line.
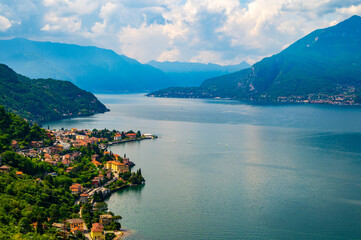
[78,163]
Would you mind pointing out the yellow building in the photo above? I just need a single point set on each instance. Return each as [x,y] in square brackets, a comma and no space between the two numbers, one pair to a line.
[97,232]
[76,224]
[116,166]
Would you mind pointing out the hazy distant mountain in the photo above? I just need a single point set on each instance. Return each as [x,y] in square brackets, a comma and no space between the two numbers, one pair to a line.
[322,67]
[43,100]
[187,74]
[90,68]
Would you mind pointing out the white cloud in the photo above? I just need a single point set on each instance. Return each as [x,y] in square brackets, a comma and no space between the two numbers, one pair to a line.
[64,24]
[221,31]
[352,10]
[5,24]
[143,43]
[169,55]
[207,57]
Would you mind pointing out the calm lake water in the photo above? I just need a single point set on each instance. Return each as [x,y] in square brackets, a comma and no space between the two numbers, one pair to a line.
[225,170]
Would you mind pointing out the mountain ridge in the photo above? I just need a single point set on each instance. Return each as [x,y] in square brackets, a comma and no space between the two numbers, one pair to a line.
[41,100]
[89,67]
[193,74]
[322,67]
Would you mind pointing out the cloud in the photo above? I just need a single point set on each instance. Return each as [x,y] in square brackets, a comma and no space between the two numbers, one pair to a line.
[351,10]
[4,24]
[220,31]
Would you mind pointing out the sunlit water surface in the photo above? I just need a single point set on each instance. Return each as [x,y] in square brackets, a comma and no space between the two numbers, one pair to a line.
[225,170]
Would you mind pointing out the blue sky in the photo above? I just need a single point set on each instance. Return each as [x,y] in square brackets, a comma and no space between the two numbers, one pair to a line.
[218,31]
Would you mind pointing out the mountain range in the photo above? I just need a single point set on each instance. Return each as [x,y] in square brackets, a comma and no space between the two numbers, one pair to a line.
[322,67]
[90,68]
[41,100]
[188,74]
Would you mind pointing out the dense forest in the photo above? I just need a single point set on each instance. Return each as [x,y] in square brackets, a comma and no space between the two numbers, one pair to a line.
[30,202]
[41,100]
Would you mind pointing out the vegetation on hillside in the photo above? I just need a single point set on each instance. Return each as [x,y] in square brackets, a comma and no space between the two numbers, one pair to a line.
[40,100]
[35,194]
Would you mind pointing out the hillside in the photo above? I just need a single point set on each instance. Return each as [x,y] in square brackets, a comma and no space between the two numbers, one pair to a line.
[322,67]
[90,68]
[188,74]
[41,100]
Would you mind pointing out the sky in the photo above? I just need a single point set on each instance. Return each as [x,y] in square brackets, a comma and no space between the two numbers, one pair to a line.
[207,31]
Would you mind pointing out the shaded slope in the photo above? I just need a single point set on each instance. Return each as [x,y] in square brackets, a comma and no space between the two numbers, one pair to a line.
[43,100]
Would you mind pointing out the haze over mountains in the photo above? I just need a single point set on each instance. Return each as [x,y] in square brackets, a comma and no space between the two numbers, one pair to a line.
[90,68]
[322,67]
[188,74]
[101,70]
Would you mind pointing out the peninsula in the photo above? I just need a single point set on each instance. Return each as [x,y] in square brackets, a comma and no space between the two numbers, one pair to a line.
[42,100]
[54,182]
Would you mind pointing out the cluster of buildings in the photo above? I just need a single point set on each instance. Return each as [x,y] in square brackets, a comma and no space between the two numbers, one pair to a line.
[78,224]
[340,99]
[341,95]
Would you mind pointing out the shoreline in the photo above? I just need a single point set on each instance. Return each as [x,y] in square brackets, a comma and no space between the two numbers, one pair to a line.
[124,234]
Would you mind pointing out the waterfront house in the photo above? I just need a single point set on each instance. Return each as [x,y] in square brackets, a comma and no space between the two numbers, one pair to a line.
[118,136]
[76,224]
[131,135]
[105,219]
[97,232]
[116,166]
[148,135]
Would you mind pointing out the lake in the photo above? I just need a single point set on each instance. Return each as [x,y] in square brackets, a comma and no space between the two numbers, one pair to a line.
[225,170]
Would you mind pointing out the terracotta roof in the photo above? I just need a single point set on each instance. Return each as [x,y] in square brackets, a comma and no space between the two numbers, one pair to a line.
[96,163]
[97,227]
[75,220]
[115,163]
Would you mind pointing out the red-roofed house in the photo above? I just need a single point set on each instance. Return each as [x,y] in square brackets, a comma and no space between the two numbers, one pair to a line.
[97,231]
